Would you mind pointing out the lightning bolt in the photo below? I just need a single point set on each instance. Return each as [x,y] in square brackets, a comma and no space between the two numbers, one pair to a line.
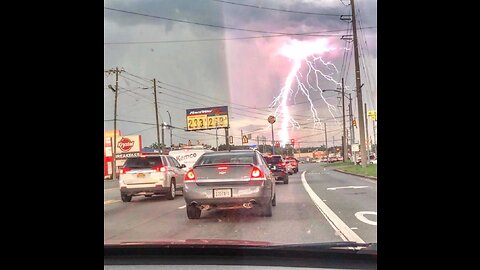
[307,53]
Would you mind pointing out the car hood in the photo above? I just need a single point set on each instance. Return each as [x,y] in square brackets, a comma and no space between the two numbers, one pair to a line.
[190,242]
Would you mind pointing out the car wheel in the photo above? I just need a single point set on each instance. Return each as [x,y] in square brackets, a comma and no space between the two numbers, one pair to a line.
[274,201]
[285,180]
[148,196]
[173,190]
[267,210]
[126,198]
[193,212]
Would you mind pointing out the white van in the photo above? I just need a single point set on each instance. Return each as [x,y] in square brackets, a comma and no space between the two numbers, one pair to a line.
[188,156]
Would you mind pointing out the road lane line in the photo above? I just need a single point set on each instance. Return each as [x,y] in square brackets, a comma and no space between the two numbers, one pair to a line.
[354,187]
[110,189]
[337,224]
[360,217]
[181,207]
[110,202]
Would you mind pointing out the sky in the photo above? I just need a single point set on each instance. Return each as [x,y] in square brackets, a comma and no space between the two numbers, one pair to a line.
[200,66]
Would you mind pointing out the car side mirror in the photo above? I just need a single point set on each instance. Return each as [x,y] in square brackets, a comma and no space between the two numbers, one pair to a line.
[183,166]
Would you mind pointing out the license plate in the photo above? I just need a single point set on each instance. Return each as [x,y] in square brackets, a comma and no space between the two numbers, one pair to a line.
[140,175]
[222,193]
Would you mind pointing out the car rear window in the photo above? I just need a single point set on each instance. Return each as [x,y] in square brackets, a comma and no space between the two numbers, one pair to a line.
[273,160]
[146,162]
[218,158]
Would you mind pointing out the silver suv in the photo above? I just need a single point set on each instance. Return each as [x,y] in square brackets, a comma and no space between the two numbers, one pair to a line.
[229,180]
[150,175]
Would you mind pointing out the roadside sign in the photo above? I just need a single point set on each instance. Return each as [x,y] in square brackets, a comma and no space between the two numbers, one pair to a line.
[207,118]
[355,147]
[271,119]
[373,115]
[230,139]
[244,139]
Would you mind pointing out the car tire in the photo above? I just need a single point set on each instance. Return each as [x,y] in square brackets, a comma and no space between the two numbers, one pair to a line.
[193,212]
[172,191]
[148,196]
[126,198]
[285,180]
[267,210]
[274,201]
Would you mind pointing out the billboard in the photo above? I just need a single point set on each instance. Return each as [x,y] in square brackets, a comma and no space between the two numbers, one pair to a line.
[128,146]
[207,118]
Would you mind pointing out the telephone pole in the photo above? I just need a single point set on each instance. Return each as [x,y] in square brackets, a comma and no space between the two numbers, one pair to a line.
[366,133]
[352,129]
[344,138]
[156,115]
[326,144]
[363,152]
[114,144]
[375,138]
[170,120]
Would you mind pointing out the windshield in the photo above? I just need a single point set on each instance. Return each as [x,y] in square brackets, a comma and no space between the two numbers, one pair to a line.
[207,82]
[228,157]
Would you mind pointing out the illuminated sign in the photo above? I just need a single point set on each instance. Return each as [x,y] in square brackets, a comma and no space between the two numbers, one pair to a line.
[207,118]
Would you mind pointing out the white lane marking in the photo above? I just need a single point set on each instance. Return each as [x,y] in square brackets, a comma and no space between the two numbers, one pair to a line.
[360,216]
[108,189]
[337,224]
[354,228]
[354,187]
[110,202]
[181,207]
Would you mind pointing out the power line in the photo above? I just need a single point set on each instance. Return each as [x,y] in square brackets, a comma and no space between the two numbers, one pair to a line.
[205,24]
[276,9]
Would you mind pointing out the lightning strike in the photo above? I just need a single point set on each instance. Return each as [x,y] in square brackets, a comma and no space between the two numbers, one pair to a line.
[310,54]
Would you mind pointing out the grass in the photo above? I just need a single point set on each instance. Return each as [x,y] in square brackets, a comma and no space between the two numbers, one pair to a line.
[370,170]
[337,164]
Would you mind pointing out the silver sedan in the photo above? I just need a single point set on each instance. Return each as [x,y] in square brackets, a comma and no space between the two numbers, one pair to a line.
[229,180]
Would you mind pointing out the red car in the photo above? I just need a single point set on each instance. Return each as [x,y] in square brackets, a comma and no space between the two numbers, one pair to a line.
[293,162]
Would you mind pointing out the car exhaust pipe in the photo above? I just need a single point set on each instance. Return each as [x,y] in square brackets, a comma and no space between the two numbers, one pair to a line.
[205,207]
[247,205]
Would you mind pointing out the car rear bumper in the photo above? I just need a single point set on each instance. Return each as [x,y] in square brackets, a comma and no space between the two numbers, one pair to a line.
[279,175]
[203,195]
[131,190]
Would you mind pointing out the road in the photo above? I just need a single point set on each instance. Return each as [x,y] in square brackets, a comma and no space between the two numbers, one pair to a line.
[325,206]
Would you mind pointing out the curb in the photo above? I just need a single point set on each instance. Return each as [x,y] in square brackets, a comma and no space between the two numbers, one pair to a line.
[369,177]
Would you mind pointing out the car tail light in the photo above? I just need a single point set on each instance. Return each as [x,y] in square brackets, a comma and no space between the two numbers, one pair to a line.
[222,168]
[124,170]
[160,168]
[256,173]
[190,176]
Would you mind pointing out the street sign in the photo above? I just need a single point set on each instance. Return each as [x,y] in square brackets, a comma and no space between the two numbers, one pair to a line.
[373,115]
[207,118]
[355,147]
[230,139]
[271,119]
[244,139]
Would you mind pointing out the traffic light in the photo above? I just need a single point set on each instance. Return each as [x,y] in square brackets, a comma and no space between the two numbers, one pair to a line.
[354,122]
[292,141]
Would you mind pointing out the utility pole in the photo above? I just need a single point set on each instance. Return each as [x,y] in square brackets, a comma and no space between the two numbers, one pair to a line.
[116,71]
[241,135]
[156,115]
[358,84]
[326,144]
[170,120]
[344,138]
[227,143]
[352,129]
[375,138]
[216,136]
[273,142]
[163,136]
[258,143]
[366,131]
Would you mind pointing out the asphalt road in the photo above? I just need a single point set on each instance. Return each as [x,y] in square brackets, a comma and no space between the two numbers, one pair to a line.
[347,211]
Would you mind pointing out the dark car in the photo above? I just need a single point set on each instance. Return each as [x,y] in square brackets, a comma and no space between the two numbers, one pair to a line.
[278,167]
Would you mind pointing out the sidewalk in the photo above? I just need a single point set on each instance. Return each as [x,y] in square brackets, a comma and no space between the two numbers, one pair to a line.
[359,175]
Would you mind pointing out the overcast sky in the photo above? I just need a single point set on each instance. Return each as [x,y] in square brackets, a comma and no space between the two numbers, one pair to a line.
[201,66]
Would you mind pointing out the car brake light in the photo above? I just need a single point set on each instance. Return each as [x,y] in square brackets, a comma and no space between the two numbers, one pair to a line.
[160,168]
[190,176]
[222,168]
[124,170]
[256,173]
